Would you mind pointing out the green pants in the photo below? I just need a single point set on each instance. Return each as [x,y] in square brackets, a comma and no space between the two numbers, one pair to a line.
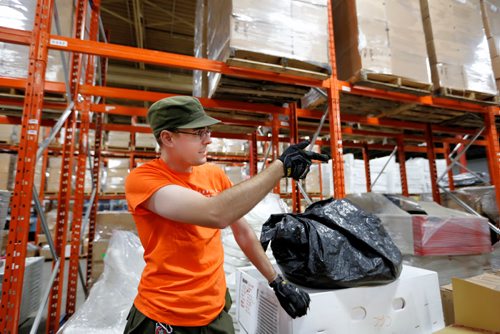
[138,323]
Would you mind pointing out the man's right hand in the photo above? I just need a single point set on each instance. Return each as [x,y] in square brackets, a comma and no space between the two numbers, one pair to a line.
[296,161]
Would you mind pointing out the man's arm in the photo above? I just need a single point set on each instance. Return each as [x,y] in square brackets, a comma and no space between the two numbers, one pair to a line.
[250,245]
[188,206]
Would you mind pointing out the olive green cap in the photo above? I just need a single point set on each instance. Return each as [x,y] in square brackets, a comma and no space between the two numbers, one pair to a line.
[178,112]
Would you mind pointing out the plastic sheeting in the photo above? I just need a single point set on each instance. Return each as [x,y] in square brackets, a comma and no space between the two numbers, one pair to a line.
[445,231]
[14,58]
[383,37]
[457,44]
[112,296]
[333,244]
[397,222]
[292,29]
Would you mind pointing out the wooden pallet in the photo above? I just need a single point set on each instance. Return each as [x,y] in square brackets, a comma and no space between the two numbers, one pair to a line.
[469,95]
[260,61]
[391,82]
[116,148]
[145,149]
[257,91]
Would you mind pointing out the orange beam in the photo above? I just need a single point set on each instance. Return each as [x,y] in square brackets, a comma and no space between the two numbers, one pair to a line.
[427,100]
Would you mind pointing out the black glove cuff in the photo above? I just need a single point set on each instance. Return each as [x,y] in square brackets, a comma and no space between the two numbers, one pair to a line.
[277,281]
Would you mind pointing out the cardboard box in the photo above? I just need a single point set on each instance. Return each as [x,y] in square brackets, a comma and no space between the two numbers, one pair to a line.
[457,48]
[459,330]
[495,62]
[383,37]
[107,221]
[477,302]
[447,303]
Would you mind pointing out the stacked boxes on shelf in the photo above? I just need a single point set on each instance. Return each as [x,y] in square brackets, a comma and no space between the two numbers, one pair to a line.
[381,41]
[417,170]
[116,172]
[106,222]
[418,174]
[145,141]
[491,20]
[7,171]
[20,15]
[286,34]
[53,175]
[118,139]
[458,48]
[9,134]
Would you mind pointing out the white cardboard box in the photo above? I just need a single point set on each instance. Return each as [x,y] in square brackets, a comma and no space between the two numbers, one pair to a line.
[410,305]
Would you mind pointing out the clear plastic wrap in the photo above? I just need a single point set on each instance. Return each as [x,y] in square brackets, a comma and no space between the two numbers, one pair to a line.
[112,296]
[292,29]
[457,45]
[445,231]
[20,15]
[396,222]
[383,37]
[114,175]
[447,267]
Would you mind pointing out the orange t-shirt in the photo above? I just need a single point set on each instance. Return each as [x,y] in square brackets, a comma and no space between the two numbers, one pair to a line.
[183,283]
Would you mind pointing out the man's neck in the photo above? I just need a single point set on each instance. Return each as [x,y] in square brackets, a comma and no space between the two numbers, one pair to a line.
[176,166]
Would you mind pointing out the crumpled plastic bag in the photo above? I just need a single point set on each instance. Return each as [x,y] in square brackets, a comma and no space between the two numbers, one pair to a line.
[333,244]
[111,297]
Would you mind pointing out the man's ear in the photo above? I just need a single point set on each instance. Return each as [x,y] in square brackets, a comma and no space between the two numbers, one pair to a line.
[166,138]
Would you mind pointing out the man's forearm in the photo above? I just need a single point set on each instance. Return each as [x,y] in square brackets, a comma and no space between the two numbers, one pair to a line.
[235,202]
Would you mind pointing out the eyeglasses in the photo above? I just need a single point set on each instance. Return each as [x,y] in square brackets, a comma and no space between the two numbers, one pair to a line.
[202,133]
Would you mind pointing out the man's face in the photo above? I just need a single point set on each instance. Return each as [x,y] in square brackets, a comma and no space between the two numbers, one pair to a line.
[191,145]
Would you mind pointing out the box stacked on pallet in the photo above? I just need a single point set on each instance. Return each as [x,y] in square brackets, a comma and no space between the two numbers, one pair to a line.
[491,20]
[418,174]
[288,36]
[106,223]
[53,175]
[445,231]
[145,141]
[7,171]
[116,172]
[118,139]
[458,49]
[381,43]
[9,134]
[20,15]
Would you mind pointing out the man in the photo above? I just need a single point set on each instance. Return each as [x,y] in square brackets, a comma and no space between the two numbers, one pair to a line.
[180,204]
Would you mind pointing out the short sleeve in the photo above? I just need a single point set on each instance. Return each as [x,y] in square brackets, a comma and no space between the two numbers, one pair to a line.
[141,183]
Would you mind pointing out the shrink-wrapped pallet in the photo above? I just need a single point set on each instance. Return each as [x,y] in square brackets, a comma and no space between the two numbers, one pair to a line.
[381,41]
[458,49]
[283,34]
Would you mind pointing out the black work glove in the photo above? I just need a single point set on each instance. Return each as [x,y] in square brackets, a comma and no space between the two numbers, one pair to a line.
[296,161]
[294,301]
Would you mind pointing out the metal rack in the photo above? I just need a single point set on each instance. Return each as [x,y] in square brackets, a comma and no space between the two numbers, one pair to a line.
[85,49]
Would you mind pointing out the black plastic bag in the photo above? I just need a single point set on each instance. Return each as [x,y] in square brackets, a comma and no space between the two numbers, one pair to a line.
[333,244]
